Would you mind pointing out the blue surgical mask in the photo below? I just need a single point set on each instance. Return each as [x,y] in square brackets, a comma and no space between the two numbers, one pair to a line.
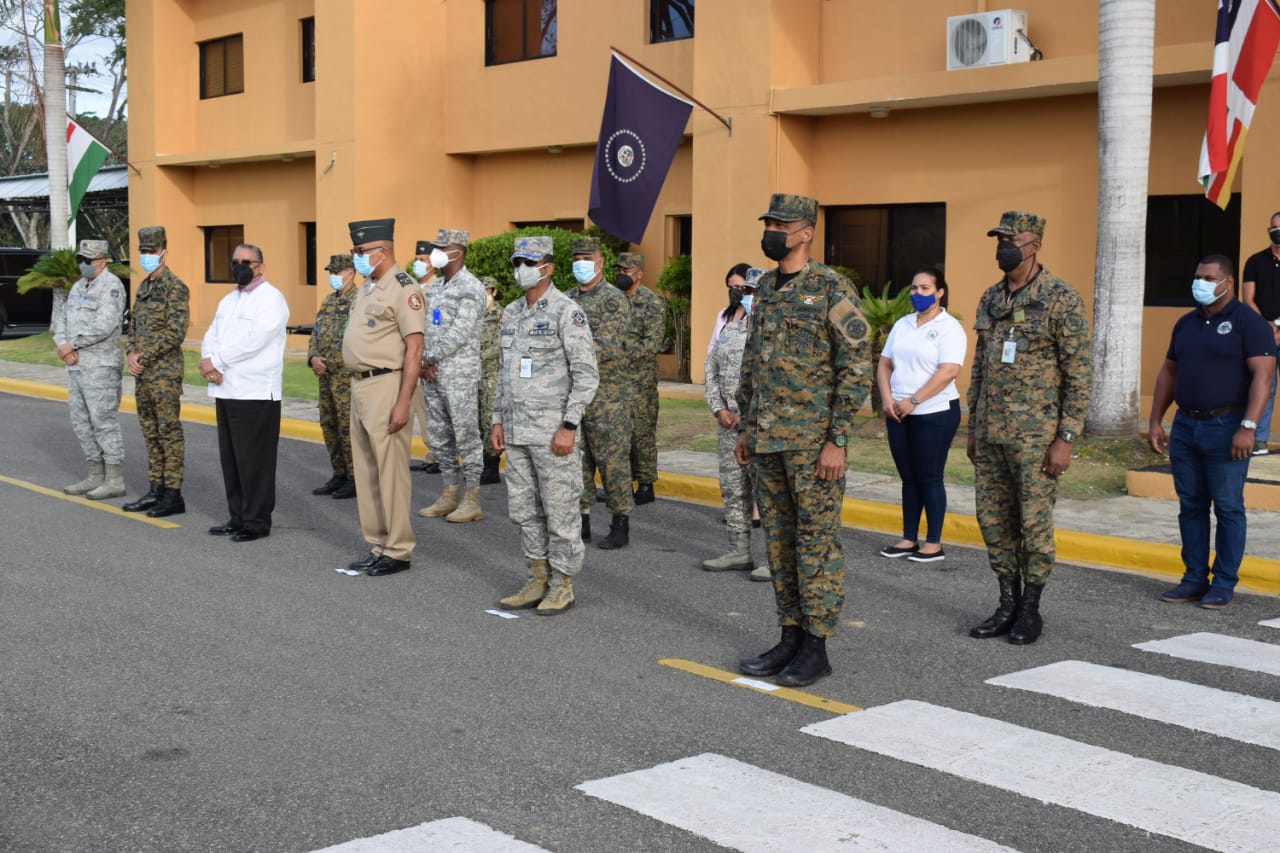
[419,269]
[923,301]
[150,263]
[584,271]
[747,300]
[1203,291]
[362,264]
[336,282]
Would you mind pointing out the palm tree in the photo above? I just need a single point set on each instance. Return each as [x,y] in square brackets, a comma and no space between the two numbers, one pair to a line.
[55,140]
[1126,32]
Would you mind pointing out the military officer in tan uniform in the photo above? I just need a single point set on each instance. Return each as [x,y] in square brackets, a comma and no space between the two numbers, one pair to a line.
[382,348]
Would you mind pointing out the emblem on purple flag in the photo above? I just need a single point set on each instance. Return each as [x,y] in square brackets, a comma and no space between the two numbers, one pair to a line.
[640,131]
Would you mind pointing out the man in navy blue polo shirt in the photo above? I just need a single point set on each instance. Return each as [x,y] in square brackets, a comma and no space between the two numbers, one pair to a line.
[1218,370]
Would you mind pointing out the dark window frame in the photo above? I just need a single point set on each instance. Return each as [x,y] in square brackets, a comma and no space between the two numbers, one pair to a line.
[225,83]
[308,30]
[663,24]
[547,23]
[309,248]
[889,243]
[233,239]
[1186,228]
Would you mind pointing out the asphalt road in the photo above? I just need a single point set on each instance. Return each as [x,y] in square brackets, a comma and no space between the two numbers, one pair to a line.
[162,689]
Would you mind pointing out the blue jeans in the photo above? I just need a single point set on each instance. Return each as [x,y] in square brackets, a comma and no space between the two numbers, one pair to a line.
[919,445]
[1204,473]
[1264,422]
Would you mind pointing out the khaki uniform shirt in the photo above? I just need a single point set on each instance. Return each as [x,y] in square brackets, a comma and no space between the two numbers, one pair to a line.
[384,312]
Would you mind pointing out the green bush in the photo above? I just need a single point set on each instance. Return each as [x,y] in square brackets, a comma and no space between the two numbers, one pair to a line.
[492,256]
[59,269]
[676,283]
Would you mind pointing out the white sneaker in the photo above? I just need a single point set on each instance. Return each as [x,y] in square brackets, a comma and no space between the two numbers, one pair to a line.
[1260,449]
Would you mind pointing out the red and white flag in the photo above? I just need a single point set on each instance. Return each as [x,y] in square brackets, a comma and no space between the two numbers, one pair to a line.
[1245,46]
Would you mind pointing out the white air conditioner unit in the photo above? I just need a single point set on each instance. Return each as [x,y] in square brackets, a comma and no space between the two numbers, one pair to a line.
[987,38]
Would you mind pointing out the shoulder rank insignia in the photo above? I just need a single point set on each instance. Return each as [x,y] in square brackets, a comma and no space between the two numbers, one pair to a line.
[404,279]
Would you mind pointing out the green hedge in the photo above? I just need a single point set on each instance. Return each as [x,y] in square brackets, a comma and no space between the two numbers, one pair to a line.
[492,256]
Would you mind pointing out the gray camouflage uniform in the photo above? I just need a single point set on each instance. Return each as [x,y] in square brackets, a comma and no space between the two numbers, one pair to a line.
[91,323]
[721,373]
[535,397]
[452,342]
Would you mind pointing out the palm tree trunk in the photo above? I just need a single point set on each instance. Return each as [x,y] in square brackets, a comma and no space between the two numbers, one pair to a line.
[55,139]
[1126,32]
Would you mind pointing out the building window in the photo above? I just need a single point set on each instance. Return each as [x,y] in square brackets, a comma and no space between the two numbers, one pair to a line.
[309,251]
[515,30]
[682,235]
[219,242]
[670,20]
[887,243]
[308,50]
[222,67]
[1182,229]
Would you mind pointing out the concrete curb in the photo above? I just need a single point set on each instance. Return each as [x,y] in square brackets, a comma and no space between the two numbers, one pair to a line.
[1257,574]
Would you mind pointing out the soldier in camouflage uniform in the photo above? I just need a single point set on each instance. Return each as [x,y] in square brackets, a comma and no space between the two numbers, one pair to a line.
[157,328]
[648,325]
[425,275]
[490,356]
[806,371]
[324,357]
[451,370]
[87,335]
[606,426]
[1028,395]
[547,377]
[722,371]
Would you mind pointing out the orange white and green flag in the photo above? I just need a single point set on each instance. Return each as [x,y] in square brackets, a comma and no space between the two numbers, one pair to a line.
[85,156]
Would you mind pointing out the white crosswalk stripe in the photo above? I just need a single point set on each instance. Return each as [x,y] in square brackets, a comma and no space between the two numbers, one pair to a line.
[1180,703]
[1219,649]
[1270,623]
[719,798]
[1170,801]
[450,835]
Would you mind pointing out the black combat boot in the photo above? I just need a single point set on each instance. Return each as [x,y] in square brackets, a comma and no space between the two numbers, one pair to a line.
[1026,628]
[808,665]
[643,493]
[489,474]
[1002,620]
[619,533]
[586,527]
[147,501]
[170,503]
[330,486]
[775,660]
[346,491]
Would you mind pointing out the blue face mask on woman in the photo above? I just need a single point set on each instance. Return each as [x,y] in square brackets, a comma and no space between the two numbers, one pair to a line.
[923,301]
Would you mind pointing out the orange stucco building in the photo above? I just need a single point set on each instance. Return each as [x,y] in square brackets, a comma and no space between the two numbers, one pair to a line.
[475,114]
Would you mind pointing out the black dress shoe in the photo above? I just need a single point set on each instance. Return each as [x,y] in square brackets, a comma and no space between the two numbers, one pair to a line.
[249,535]
[417,465]
[345,491]
[225,529]
[384,565]
[363,563]
[643,493]
[331,485]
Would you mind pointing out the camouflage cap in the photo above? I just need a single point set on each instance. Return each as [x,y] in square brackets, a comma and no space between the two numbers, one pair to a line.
[423,247]
[489,282]
[337,263]
[94,249]
[533,248]
[1014,222]
[371,231]
[151,238]
[627,260]
[753,277]
[586,245]
[786,207]
[452,237]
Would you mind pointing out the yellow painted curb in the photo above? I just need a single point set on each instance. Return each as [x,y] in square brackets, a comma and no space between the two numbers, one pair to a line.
[755,685]
[101,507]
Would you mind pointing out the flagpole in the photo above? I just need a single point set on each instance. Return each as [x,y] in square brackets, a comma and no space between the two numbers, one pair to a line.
[727,122]
[110,150]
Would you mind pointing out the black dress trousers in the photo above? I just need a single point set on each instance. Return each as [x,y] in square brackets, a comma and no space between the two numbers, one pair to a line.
[248,441]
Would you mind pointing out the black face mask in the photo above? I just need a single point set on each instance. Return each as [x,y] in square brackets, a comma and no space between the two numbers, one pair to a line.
[1274,234]
[622,281]
[1008,256]
[242,274]
[735,297]
[774,245]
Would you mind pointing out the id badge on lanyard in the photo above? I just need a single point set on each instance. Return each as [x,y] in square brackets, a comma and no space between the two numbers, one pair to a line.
[1010,349]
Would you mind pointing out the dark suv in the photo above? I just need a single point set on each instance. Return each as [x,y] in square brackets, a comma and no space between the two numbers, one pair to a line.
[35,307]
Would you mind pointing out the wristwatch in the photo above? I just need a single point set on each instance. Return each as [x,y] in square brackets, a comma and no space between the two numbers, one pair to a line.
[1248,424]
[914,401]
[1066,435]
[836,438]
[569,425]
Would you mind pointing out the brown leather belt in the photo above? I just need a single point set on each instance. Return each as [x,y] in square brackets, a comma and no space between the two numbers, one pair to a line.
[1205,414]
[377,371]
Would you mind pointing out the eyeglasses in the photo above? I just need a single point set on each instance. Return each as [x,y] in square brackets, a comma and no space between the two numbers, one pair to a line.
[243,262]
[527,262]
[81,259]
[748,289]
[360,253]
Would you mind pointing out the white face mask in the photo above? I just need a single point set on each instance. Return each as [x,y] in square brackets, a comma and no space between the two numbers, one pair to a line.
[419,269]
[747,299]
[439,258]
[528,277]
[584,271]
[336,282]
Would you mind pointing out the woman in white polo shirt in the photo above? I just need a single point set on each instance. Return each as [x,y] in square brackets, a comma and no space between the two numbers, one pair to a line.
[924,352]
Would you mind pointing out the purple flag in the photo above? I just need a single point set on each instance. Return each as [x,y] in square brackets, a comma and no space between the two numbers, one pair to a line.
[641,129]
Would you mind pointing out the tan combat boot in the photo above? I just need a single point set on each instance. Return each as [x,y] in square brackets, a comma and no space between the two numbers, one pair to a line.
[445,504]
[559,597]
[112,485]
[534,588]
[738,557]
[469,509]
[88,484]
